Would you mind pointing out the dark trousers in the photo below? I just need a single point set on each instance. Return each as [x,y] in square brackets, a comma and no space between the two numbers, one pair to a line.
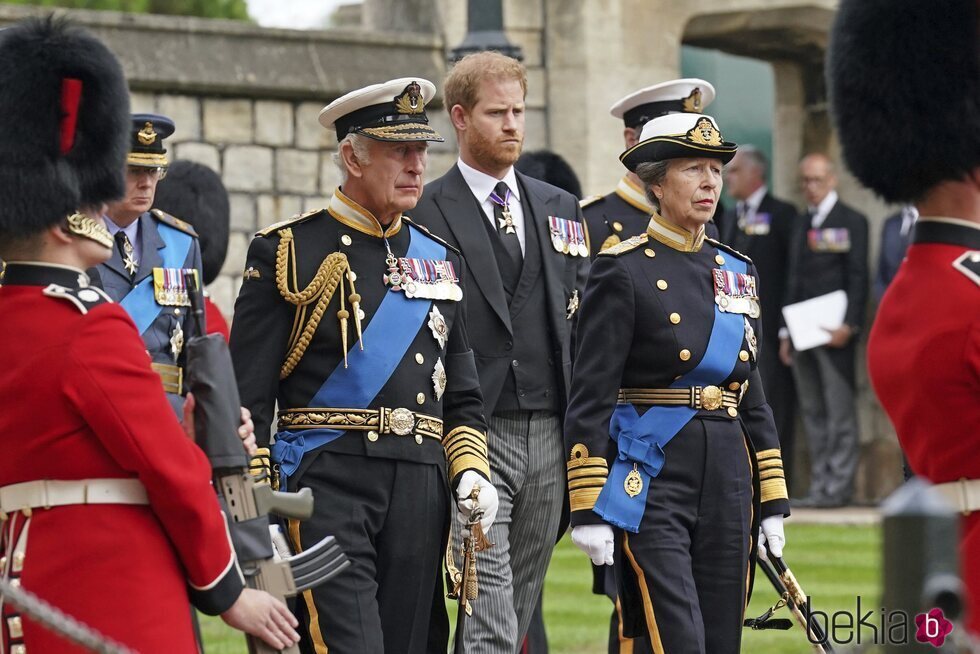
[683,578]
[391,519]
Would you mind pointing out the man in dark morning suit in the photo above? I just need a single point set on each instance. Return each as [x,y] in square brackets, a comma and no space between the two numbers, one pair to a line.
[526,262]
[626,211]
[830,253]
[895,236]
[761,227]
[351,319]
[145,274]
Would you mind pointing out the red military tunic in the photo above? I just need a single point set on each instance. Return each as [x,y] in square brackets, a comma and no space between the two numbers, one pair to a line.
[924,362]
[80,401]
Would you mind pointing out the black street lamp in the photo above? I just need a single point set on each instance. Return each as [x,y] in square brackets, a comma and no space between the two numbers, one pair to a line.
[485,31]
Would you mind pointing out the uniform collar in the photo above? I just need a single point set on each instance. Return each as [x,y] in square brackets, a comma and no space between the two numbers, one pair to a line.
[39,273]
[350,213]
[673,236]
[633,194]
[950,231]
[755,198]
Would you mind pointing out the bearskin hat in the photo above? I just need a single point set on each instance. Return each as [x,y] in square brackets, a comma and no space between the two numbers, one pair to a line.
[194,193]
[904,81]
[64,132]
[550,167]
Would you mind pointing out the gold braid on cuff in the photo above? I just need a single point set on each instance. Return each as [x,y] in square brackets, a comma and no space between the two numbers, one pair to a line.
[772,479]
[586,477]
[466,449]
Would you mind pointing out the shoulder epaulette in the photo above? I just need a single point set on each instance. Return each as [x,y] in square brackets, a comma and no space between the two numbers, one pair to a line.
[623,247]
[173,221]
[968,263]
[298,218]
[729,249]
[84,299]
[437,239]
[592,199]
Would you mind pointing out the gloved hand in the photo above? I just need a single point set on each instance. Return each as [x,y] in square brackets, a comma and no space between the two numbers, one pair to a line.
[596,541]
[771,536]
[487,501]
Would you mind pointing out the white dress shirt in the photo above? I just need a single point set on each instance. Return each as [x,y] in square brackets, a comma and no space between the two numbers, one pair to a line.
[822,209]
[132,233]
[482,185]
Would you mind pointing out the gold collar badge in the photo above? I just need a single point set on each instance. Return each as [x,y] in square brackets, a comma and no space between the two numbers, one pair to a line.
[410,101]
[146,135]
[705,133]
[692,103]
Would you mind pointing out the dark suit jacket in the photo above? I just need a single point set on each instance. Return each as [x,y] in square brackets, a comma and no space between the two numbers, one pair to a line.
[448,208]
[770,254]
[893,247]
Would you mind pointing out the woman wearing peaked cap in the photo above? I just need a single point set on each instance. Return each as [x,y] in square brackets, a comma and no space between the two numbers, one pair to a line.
[677,483]
[910,130]
[124,527]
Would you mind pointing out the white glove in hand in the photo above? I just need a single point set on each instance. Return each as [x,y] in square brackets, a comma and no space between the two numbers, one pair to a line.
[596,541]
[771,537]
[488,497]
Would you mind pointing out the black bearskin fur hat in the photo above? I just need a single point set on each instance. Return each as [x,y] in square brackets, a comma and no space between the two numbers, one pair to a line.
[194,193]
[550,167]
[64,132]
[904,81]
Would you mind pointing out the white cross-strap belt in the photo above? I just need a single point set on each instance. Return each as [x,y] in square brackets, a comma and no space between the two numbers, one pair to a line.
[964,494]
[47,493]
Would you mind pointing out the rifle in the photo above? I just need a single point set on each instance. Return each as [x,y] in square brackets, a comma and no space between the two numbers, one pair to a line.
[248,500]
[791,595]
[462,583]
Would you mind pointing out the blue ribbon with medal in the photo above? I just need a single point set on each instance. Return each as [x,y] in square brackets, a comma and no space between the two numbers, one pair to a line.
[141,303]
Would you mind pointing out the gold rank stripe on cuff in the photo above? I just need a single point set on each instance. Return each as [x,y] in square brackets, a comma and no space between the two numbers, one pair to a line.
[466,449]
[586,477]
[772,479]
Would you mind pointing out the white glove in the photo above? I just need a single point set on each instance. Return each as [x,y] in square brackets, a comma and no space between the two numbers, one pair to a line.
[487,501]
[596,541]
[771,536]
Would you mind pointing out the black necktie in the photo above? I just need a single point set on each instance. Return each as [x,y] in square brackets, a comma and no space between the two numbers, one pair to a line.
[127,253]
[503,219]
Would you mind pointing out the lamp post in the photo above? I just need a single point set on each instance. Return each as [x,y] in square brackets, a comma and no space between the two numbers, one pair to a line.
[484,31]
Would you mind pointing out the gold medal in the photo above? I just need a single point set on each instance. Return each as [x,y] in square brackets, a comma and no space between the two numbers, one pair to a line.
[634,482]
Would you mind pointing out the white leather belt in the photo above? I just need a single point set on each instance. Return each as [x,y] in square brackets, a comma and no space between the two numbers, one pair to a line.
[964,494]
[46,493]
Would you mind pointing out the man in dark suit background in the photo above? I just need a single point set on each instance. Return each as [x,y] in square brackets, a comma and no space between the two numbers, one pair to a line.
[895,236]
[830,253]
[526,257]
[761,226]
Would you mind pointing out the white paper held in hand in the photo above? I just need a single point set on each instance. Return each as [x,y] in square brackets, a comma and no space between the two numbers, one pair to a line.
[809,320]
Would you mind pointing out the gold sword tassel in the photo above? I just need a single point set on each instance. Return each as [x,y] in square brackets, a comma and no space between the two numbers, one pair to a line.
[343,315]
[355,305]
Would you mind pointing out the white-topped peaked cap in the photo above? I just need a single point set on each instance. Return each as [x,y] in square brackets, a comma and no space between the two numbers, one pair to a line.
[679,135]
[390,111]
[688,95]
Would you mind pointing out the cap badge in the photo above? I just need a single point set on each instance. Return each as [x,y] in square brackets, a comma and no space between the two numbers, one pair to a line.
[146,135]
[705,133]
[692,103]
[410,101]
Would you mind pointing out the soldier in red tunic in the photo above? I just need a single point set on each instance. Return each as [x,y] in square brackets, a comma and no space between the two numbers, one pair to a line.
[905,81]
[106,507]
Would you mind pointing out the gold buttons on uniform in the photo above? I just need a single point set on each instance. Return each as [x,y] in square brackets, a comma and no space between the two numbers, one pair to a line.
[720,260]
[743,355]
[733,386]
[650,253]
[618,226]
[420,398]
[372,436]
[18,649]
[685,355]
[662,284]
[18,561]
[15,626]
[345,239]
[176,312]
[733,412]
[675,318]
[418,438]
[419,359]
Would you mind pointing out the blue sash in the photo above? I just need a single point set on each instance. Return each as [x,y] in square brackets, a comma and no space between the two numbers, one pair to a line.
[641,439]
[387,338]
[140,303]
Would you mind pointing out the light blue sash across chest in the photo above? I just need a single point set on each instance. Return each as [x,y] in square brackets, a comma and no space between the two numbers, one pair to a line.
[140,302]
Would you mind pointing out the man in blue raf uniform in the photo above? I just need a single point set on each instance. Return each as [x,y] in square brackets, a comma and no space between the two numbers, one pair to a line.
[670,439]
[626,211]
[352,318]
[156,262]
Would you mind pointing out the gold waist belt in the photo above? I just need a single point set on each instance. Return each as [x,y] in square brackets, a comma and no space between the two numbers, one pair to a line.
[171,376]
[400,422]
[709,398]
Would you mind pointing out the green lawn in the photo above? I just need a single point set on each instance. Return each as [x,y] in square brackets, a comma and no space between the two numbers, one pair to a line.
[834,564]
